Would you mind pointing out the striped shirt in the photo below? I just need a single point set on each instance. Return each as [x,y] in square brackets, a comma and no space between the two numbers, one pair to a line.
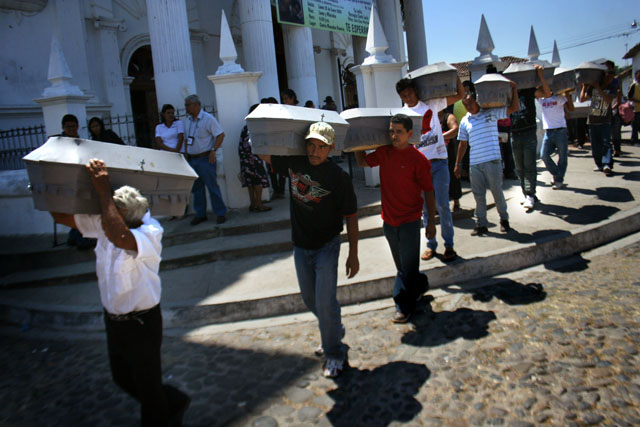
[481,131]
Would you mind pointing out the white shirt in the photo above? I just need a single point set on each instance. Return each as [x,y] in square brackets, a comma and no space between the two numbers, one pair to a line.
[432,144]
[170,134]
[128,281]
[480,130]
[204,129]
[553,112]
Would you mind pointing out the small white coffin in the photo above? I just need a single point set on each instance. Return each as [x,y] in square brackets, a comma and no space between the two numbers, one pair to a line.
[493,91]
[589,72]
[564,80]
[60,182]
[369,127]
[280,129]
[435,81]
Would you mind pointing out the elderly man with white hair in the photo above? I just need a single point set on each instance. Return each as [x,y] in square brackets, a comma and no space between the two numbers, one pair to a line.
[127,265]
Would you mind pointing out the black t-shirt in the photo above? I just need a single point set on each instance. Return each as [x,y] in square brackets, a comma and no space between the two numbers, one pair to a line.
[525,117]
[320,197]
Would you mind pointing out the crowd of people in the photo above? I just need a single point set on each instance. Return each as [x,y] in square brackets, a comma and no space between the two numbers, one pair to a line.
[416,182]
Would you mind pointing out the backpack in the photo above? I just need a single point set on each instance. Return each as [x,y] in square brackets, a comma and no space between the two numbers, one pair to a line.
[626,113]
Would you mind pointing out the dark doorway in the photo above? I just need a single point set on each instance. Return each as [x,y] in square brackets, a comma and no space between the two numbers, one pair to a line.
[281,63]
[144,105]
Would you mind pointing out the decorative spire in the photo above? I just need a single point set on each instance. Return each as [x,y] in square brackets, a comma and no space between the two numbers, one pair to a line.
[59,74]
[555,59]
[228,53]
[485,45]
[534,52]
[376,41]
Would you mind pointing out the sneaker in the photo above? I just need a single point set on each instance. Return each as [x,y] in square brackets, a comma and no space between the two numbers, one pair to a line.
[504,226]
[528,203]
[597,169]
[607,171]
[198,219]
[400,317]
[428,254]
[479,231]
[319,351]
[333,367]
[557,185]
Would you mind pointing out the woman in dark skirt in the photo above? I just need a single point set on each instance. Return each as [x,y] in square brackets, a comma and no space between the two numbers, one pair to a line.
[252,172]
[450,133]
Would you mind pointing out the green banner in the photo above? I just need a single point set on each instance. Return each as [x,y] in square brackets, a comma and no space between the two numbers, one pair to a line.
[344,16]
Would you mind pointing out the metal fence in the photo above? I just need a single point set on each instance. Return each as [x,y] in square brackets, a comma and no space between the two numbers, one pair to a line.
[136,130]
[17,143]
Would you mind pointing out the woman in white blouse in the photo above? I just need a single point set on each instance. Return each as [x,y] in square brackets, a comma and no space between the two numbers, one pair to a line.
[170,132]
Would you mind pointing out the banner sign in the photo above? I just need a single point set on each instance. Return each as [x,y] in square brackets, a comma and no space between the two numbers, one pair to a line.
[344,16]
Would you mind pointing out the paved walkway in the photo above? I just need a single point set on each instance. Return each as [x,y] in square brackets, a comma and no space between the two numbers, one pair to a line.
[555,346]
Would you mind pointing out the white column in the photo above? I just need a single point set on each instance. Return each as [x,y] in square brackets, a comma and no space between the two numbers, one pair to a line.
[258,45]
[71,32]
[301,68]
[113,79]
[391,20]
[416,39]
[171,50]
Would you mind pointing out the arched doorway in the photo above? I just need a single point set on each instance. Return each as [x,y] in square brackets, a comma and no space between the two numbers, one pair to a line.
[144,105]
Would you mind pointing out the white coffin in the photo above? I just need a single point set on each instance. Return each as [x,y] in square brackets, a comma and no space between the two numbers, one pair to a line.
[589,72]
[564,80]
[280,129]
[437,80]
[493,91]
[369,127]
[523,74]
[60,182]
[548,70]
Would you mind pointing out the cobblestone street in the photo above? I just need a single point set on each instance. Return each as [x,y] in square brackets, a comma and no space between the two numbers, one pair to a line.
[556,346]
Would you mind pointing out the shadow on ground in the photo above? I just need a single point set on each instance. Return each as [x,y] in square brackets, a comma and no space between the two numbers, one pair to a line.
[378,397]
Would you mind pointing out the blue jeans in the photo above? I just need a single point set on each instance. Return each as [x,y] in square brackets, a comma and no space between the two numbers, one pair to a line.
[440,177]
[525,145]
[555,139]
[410,283]
[317,271]
[601,150]
[487,175]
[206,177]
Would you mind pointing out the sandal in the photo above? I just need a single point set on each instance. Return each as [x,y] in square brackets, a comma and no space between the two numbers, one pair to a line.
[427,254]
[262,208]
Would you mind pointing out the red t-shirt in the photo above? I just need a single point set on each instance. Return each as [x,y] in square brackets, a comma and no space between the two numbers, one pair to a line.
[404,176]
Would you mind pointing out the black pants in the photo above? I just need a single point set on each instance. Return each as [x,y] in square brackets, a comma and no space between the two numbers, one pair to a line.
[455,189]
[134,356]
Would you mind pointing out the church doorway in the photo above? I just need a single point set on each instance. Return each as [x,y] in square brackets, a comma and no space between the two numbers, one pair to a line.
[144,105]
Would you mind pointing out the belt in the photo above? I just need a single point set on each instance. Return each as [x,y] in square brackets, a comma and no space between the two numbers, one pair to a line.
[197,156]
[555,129]
[442,160]
[134,315]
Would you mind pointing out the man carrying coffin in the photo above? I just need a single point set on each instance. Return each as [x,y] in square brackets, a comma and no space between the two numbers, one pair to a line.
[127,264]
[321,195]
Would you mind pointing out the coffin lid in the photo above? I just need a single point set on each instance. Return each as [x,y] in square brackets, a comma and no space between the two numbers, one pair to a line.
[291,112]
[517,67]
[591,66]
[77,151]
[542,62]
[492,78]
[430,69]
[561,70]
[354,113]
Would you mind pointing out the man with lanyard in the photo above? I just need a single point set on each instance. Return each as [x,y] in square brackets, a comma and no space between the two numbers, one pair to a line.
[322,197]
[204,138]
[434,148]
[524,141]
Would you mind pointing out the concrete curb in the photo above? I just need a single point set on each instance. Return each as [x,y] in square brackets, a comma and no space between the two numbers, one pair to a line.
[483,265]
